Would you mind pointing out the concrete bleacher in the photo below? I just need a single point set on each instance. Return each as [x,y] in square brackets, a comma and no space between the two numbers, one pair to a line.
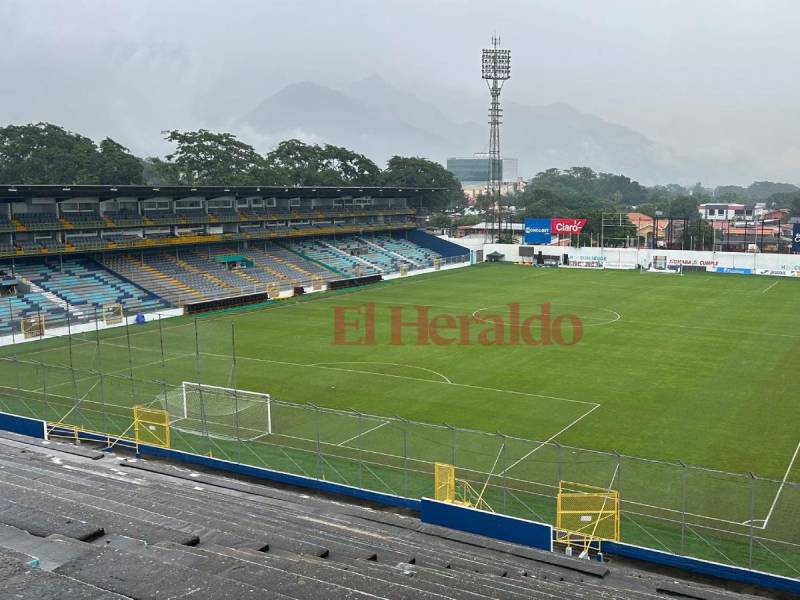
[13,309]
[324,251]
[420,256]
[194,275]
[37,220]
[104,526]
[82,283]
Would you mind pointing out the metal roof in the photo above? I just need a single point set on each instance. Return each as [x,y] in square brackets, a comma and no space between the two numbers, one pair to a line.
[105,192]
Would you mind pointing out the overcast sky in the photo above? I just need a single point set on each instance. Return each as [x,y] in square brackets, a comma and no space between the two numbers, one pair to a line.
[707,77]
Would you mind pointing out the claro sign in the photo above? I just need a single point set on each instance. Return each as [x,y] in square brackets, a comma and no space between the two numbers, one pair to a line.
[567,226]
[540,231]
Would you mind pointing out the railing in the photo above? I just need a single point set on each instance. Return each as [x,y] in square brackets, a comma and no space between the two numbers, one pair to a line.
[169,241]
[178,219]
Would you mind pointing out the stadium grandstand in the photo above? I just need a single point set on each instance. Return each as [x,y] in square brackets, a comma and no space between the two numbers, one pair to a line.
[82,524]
[74,251]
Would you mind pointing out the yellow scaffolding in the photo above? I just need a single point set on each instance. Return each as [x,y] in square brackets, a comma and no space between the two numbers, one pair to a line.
[151,426]
[585,513]
[447,488]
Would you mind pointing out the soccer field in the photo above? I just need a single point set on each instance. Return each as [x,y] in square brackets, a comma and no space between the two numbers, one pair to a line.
[696,368]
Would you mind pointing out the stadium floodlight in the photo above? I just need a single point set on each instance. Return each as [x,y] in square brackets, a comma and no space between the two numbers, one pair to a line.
[495,63]
[495,70]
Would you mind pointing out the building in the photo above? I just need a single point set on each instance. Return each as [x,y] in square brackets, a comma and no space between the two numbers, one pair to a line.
[715,211]
[473,171]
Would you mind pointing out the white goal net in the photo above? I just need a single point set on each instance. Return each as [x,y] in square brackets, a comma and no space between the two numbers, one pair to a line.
[219,412]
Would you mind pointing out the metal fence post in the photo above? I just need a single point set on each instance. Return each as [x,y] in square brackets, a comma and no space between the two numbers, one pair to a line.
[752,517]
[319,448]
[44,392]
[683,506]
[405,457]
[502,465]
[360,452]
[452,444]
[559,464]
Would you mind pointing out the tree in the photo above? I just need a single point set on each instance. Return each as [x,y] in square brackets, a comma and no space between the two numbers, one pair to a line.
[440,221]
[684,207]
[304,164]
[415,172]
[206,158]
[118,166]
[43,153]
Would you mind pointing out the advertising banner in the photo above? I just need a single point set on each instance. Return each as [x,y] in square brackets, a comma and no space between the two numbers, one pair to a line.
[537,231]
[796,239]
[567,226]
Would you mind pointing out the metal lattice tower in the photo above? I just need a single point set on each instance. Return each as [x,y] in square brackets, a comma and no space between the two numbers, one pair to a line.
[495,70]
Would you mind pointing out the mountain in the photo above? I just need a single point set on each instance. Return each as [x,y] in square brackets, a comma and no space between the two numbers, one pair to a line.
[375,118]
[320,114]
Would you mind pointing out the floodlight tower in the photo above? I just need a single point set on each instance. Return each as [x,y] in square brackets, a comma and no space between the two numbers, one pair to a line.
[495,70]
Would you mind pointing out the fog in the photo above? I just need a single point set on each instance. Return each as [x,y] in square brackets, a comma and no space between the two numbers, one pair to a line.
[715,81]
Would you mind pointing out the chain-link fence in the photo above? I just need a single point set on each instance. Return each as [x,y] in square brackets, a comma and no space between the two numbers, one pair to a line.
[738,519]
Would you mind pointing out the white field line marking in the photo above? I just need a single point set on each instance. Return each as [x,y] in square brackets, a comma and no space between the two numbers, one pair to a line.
[392,375]
[780,489]
[355,437]
[769,287]
[616,318]
[550,439]
[353,362]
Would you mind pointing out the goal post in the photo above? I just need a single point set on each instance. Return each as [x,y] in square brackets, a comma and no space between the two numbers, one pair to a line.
[221,412]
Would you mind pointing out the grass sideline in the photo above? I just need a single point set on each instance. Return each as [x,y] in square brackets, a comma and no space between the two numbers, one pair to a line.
[694,368]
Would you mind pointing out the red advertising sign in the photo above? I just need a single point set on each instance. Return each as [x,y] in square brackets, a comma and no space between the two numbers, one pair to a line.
[567,226]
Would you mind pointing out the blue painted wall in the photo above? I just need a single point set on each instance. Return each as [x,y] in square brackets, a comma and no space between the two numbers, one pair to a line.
[23,425]
[426,240]
[501,527]
[281,477]
[703,567]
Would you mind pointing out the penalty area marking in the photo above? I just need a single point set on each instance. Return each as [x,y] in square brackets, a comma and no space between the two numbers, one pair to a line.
[355,437]
[765,521]
[769,287]
[550,439]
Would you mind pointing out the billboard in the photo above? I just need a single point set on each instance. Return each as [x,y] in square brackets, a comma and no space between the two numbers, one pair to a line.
[567,226]
[795,239]
[537,231]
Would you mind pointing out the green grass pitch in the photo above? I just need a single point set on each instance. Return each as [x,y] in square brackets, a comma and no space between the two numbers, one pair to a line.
[697,368]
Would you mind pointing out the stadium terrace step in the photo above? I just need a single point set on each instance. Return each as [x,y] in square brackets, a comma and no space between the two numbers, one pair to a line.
[235,553]
[22,581]
[385,581]
[213,562]
[147,577]
[51,550]
[76,506]
[43,523]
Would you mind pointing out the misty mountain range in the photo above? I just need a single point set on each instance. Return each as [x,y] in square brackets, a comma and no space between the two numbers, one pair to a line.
[373,117]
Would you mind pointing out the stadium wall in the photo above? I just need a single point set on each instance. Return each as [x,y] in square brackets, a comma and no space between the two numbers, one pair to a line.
[23,425]
[702,567]
[744,263]
[493,525]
